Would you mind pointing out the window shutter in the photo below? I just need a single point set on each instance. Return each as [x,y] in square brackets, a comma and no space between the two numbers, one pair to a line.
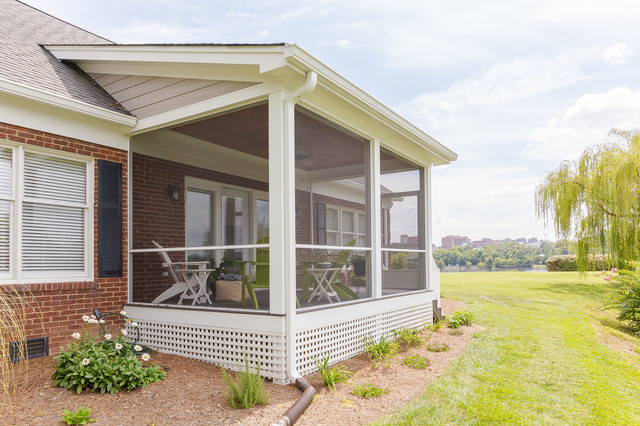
[321,223]
[109,219]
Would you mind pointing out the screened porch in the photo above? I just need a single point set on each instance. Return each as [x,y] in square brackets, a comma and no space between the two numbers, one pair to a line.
[202,226]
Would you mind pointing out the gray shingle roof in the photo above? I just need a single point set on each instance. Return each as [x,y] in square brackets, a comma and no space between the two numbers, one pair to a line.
[23,59]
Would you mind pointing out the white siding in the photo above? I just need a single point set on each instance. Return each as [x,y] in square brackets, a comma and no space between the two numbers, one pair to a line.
[147,96]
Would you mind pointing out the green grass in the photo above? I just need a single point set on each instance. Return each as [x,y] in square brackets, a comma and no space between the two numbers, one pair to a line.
[539,361]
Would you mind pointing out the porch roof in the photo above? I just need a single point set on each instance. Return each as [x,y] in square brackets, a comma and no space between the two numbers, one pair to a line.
[247,63]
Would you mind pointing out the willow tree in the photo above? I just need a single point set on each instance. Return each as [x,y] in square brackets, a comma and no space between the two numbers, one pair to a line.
[596,199]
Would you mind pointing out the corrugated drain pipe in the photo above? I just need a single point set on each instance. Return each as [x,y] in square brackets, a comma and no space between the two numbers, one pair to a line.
[295,411]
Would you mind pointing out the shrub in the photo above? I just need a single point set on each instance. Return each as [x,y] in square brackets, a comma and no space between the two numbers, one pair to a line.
[626,298]
[407,337]
[437,325]
[332,376]
[417,361]
[379,350]
[247,390]
[369,390]
[78,417]
[437,347]
[459,318]
[110,365]
[569,262]
[399,261]
[107,366]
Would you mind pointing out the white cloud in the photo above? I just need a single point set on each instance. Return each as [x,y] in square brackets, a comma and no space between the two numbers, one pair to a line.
[241,15]
[341,44]
[585,123]
[617,54]
[503,83]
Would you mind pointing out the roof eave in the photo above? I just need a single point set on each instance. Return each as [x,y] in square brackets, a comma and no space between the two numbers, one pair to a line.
[268,58]
[26,92]
[336,82]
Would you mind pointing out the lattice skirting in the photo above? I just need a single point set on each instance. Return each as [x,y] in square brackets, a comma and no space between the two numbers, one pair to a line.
[219,346]
[343,339]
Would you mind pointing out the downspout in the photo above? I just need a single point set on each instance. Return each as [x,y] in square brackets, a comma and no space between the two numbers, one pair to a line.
[296,410]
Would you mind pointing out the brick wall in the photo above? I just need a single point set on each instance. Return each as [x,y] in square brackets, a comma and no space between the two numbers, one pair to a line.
[157,218]
[62,304]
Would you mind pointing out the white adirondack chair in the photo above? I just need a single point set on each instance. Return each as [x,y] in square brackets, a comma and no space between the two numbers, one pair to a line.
[190,280]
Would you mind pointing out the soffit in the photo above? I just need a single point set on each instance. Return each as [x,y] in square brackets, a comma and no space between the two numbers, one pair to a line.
[147,96]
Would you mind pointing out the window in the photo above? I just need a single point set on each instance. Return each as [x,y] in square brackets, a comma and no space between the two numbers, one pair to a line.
[344,225]
[45,229]
[218,214]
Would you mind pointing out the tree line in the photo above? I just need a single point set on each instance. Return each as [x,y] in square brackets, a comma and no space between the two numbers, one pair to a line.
[502,255]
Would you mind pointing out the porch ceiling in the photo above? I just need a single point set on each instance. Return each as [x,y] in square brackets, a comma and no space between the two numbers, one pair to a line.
[319,145]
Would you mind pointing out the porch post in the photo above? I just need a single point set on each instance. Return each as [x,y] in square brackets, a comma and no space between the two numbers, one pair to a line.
[428,235]
[281,198]
[376,220]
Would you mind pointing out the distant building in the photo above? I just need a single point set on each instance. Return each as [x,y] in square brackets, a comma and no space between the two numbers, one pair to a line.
[405,239]
[484,242]
[451,241]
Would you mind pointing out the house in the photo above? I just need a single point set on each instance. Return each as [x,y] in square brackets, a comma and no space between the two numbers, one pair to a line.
[206,150]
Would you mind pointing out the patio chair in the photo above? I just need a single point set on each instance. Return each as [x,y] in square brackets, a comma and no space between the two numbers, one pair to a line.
[342,290]
[188,283]
[261,273]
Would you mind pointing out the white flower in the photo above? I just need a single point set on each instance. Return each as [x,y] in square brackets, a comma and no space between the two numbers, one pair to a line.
[76,335]
[85,318]
[93,321]
[101,321]
[107,336]
[134,324]
[93,316]
[138,348]
[118,346]
[128,320]
[123,313]
[145,357]
[85,361]
[124,332]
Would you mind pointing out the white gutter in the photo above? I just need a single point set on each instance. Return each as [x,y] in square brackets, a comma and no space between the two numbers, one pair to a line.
[22,91]
[290,299]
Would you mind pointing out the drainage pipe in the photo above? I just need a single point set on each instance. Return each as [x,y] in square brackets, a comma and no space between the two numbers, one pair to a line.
[295,411]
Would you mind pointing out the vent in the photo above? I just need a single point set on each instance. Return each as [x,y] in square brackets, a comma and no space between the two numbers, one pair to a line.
[29,349]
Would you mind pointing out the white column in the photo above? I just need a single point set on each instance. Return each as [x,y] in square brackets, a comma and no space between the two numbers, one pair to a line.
[428,235]
[375,229]
[281,198]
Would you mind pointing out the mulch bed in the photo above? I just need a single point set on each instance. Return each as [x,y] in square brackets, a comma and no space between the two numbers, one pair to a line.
[194,392]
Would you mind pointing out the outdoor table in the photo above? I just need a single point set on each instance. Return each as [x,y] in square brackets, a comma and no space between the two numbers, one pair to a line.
[323,278]
[196,280]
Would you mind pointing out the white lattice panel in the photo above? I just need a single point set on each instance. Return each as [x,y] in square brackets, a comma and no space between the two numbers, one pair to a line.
[343,339]
[223,347]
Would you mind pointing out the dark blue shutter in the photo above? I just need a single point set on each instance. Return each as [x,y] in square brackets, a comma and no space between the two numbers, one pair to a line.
[109,219]
[321,221]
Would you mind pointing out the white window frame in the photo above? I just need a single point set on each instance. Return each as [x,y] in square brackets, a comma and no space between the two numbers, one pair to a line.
[357,232]
[16,275]
[217,188]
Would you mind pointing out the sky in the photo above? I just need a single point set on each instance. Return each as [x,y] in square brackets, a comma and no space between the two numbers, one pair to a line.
[514,88]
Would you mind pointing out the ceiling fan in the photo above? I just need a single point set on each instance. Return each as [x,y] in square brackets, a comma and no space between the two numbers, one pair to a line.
[307,159]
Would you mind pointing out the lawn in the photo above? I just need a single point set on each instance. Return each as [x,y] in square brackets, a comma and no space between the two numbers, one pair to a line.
[541,359]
